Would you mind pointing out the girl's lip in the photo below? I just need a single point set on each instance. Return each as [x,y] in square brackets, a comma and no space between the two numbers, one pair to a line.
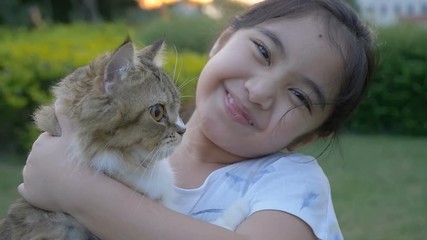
[236,111]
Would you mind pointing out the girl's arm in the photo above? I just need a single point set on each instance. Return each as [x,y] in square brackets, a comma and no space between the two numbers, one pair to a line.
[113,211]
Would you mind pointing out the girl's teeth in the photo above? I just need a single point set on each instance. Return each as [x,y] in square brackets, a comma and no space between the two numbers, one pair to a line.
[230,99]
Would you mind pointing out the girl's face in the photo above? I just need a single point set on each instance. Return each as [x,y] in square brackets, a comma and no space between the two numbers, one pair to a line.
[267,87]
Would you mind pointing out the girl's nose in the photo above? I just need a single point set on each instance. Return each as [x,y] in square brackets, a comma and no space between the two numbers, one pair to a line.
[260,93]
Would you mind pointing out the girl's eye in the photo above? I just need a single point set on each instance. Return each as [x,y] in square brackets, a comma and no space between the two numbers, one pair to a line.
[263,51]
[157,112]
[302,98]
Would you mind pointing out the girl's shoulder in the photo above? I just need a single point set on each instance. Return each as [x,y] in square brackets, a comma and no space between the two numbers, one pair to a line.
[296,184]
[282,165]
[288,182]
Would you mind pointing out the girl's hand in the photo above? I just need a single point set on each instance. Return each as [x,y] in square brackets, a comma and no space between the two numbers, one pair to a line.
[51,176]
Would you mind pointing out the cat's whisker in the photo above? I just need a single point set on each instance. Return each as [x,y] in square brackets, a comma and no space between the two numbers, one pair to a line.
[150,167]
[176,64]
[187,96]
[157,155]
[152,164]
[150,157]
[176,77]
[161,155]
[185,83]
[179,73]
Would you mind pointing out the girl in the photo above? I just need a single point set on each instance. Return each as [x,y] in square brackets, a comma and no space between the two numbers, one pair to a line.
[285,73]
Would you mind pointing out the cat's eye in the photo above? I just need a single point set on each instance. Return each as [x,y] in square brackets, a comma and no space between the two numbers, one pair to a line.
[157,112]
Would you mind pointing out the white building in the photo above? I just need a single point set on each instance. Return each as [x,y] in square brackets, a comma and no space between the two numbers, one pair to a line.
[387,12]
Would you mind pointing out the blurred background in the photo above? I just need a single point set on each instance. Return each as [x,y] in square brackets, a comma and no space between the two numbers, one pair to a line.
[377,169]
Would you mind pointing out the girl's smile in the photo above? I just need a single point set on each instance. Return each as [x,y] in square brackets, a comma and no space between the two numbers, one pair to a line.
[264,87]
[236,110]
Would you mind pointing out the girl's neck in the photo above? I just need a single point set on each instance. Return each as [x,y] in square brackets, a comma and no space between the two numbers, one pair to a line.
[195,146]
[197,156]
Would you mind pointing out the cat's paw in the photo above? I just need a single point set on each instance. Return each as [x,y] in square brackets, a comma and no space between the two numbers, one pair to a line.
[233,216]
[45,119]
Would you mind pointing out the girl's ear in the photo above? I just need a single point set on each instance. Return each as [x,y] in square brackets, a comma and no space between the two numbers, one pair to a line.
[221,41]
[301,141]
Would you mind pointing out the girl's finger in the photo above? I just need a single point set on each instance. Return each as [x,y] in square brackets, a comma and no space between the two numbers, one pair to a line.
[21,190]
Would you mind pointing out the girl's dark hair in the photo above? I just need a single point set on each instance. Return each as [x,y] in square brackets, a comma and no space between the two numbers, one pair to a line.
[357,47]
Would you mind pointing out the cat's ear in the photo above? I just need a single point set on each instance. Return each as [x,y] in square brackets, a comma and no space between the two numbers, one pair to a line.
[118,65]
[154,53]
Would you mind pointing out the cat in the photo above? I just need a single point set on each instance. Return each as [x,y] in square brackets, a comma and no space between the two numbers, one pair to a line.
[127,114]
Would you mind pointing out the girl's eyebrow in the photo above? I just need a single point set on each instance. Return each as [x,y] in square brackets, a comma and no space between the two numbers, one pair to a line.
[273,37]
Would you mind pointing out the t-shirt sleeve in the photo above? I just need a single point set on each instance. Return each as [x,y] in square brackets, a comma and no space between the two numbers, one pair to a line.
[296,187]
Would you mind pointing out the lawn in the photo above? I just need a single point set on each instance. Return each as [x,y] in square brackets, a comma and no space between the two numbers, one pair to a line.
[379,185]
[10,177]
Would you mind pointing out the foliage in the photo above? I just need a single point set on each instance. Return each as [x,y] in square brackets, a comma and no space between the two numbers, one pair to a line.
[32,61]
[186,33]
[396,100]
[25,12]
[13,12]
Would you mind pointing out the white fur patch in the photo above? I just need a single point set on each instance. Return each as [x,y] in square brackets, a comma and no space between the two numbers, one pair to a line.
[156,182]
[108,162]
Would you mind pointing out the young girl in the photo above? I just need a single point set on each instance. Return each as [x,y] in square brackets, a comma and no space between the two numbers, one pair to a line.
[285,73]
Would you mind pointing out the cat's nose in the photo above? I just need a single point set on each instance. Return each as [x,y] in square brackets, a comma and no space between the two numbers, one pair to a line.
[181,131]
[180,126]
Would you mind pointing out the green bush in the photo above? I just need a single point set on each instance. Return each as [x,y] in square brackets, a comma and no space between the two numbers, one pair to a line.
[195,33]
[396,101]
[185,68]
[32,61]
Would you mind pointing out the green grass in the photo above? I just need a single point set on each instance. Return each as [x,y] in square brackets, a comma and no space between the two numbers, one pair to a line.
[10,177]
[379,186]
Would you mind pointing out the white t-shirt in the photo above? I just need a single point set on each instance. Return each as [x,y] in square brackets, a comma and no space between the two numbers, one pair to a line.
[293,183]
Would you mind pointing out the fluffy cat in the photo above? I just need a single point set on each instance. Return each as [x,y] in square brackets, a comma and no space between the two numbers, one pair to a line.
[126,111]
